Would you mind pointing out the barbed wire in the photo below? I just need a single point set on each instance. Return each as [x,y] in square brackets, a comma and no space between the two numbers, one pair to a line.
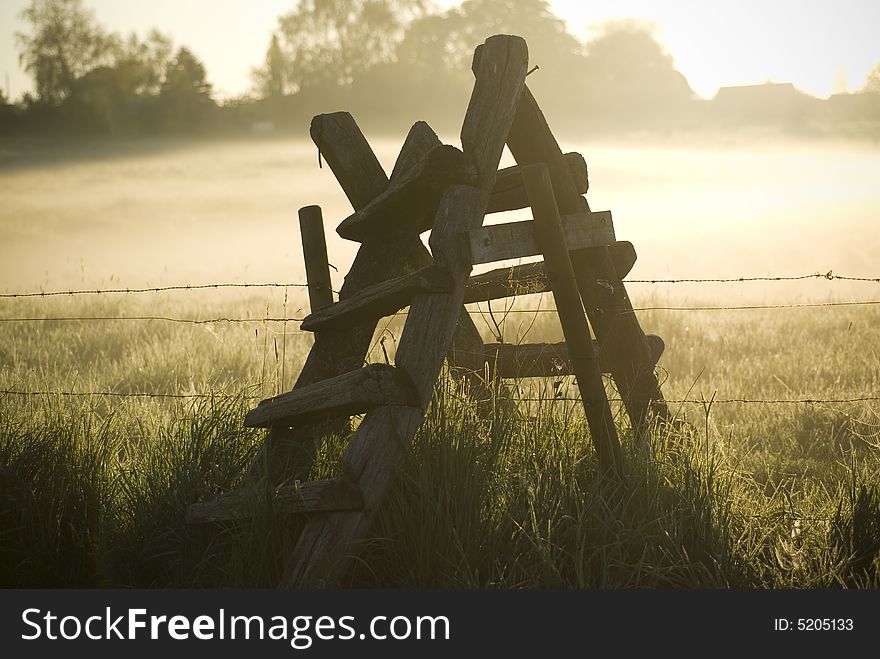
[828,276]
[721,401]
[797,305]
[190,321]
[211,321]
[536,399]
[121,394]
[156,289]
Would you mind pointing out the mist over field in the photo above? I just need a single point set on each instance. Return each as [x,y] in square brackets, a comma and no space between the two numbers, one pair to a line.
[159,212]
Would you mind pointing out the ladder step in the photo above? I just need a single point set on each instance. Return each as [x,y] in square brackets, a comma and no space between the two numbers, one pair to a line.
[412,197]
[509,192]
[330,495]
[514,240]
[383,299]
[537,360]
[530,278]
[351,393]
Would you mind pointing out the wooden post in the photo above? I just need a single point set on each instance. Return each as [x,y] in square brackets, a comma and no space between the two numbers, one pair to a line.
[585,364]
[614,322]
[311,228]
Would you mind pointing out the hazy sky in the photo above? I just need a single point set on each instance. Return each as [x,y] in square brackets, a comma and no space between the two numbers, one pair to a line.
[823,46]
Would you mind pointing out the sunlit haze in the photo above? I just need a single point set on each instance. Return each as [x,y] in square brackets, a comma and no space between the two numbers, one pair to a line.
[823,47]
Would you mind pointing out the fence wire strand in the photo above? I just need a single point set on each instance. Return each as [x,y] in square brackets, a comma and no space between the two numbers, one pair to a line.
[156,289]
[828,276]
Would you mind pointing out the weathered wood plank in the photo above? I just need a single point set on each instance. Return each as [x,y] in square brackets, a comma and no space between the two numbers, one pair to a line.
[324,550]
[614,322]
[343,395]
[334,494]
[414,194]
[525,279]
[311,228]
[537,360]
[514,240]
[380,300]
[531,278]
[509,193]
[584,362]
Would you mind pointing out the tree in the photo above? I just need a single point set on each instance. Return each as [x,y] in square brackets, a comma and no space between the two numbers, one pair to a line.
[65,42]
[144,62]
[271,79]
[330,42]
[629,70]
[448,40]
[185,97]
[872,82]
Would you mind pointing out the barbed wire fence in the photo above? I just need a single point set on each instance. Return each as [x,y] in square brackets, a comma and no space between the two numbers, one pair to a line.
[41,294]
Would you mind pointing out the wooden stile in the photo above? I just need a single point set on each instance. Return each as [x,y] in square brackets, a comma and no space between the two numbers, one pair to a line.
[438,187]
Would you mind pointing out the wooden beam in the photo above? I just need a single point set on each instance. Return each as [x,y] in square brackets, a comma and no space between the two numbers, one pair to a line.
[552,240]
[334,494]
[324,549]
[379,300]
[314,246]
[536,360]
[514,240]
[414,194]
[509,193]
[531,278]
[616,325]
[344,395]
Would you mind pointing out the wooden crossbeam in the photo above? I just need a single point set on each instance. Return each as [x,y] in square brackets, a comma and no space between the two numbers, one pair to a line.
[509,193]
[344,395]
[331,495]
[324,549]
[514,240]
[414,194]
[530,278]
[538,360]
[380,300]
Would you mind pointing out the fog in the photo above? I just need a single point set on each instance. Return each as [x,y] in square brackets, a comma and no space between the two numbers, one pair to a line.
[157,212]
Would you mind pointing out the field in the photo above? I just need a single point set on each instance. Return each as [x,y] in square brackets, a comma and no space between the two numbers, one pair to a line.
[93,488]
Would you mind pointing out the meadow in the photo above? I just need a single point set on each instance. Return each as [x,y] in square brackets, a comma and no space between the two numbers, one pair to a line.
[93,488]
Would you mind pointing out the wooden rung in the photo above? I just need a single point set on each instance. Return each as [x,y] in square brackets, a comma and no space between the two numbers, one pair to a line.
[331,495]
[535,360]
[351,393]
[413,195]
[509,192]
[383,299]
[513,240]
[524,279]
[530,278]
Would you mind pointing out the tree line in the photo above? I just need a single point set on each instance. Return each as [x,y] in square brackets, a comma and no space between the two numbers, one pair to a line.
[389,60]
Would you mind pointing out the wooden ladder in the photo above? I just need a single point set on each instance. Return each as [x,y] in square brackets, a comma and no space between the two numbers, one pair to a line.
[438,187]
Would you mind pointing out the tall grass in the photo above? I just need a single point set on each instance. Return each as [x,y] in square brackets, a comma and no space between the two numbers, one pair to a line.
[93,491]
